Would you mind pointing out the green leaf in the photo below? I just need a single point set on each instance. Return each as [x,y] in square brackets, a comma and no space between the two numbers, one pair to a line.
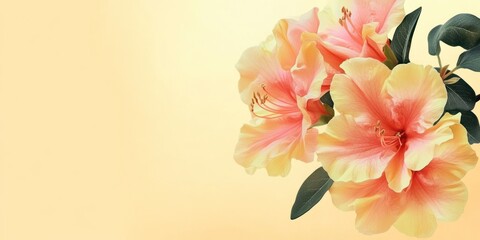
[327,99]
[461,97]
[311,191]
[462,30]
[433,41]
[402,39]
[391,60]
[325,118]
[470,59]
[470,122]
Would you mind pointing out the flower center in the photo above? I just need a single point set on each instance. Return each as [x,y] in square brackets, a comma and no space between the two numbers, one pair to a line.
[265,105]
[346,22]
[389,140]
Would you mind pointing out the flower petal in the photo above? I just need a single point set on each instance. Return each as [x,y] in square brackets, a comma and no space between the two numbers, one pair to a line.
[453,158]
[352,152]
[377,214]
[344,194]
[377,207]
[288,34]
[416,221]
[419,96]
[272,143]
[449,202]
[397,173]
[367,20]
[309,72]
[421,147]
[257,66]
[360,91]
[387,13]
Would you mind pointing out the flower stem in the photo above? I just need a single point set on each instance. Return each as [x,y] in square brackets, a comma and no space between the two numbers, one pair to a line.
[451,72]
[439,61]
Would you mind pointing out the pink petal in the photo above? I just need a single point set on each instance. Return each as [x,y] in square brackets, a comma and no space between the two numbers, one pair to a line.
[397,173]
[309,72]
[420,147]
[288,33]
[377,207]
[352,152]
[418,94]
[271,144]
[360,91]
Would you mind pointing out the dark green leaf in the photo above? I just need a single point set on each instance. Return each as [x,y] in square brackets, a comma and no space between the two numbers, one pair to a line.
[462,30]
[433,41]
[470,122]
[327,99]
[311,191]
[402,39]
[470,59]
[391,60]
[461,97]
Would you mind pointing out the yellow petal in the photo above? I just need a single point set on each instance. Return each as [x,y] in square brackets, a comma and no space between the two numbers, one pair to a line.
[351,152]
[419,96]
[421,147]
[360,91]
[417,221]
[450,201]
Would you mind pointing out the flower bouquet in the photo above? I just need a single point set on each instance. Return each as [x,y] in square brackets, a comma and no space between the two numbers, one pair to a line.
[393,137]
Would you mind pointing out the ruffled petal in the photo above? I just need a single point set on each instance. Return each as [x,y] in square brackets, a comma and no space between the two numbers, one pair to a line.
[397,173]
[421,147]
[364,33]
[258,66]
[344,194]
[387,13]
[309,72]
[449,202]
[378,213]
[419,96]
[272,143]
[360,91]
[453,158]
[416,221]
[377,207]
[352,152]
[288,33]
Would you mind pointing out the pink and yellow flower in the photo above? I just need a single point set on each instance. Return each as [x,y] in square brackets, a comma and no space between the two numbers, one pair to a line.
[281,81]
[386,122]
[355,28]
[434,193]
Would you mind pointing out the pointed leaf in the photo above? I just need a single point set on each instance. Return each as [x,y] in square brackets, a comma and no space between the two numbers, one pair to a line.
[433,41]
[402,39]
[462,30]
[470,122]
[461,97]
[311,191]
[470,59]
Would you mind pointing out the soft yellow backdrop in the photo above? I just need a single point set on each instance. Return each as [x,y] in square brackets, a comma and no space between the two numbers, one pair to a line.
[118,120]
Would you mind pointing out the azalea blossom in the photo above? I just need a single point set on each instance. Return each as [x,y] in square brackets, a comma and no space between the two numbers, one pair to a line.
[387,122]
[434,193]
[355,28]
[284,98]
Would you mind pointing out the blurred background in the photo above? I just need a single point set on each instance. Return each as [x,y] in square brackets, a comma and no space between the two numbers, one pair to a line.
[118,120]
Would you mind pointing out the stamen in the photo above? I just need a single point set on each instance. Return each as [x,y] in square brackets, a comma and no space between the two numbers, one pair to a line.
[270,108]
[347,18]
[388,141]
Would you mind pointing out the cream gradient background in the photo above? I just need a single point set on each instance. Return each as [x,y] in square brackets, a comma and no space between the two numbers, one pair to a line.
[118,120]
